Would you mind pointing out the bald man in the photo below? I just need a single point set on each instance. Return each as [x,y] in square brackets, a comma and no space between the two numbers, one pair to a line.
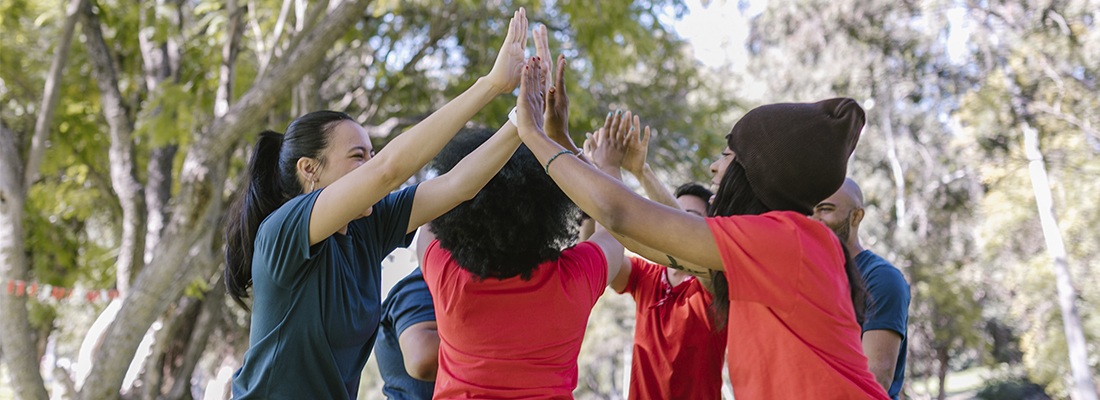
[885,326]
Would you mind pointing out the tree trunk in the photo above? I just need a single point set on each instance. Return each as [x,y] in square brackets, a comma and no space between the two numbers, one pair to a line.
[1067,296]
[208,320]
[160,64]
[941,373]
[158,191]
[198,207]
[16,335]
[171,340]
[124,179]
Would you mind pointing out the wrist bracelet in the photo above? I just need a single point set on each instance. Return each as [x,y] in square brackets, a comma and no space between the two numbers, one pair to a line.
[512,116]
[554,157]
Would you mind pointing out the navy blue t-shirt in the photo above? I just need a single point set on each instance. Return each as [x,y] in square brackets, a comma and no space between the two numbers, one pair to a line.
[408,303]
[888,308]
[315,310]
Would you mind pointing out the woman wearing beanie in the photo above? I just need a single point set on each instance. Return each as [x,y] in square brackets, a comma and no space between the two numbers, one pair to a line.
[793,330]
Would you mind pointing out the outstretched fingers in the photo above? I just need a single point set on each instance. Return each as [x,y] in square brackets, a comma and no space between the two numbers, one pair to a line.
[521,26]
[559,75]
[623,128]
[542,49]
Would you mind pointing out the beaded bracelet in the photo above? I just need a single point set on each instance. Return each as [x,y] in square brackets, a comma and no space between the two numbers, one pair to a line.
[554,157]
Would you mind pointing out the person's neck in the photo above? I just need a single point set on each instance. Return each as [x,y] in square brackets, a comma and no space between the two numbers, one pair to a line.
[853,245]
[675,277]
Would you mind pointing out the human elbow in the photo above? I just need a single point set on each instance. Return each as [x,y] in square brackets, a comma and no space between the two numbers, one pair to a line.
[388,172]
[424,368]
[611,215]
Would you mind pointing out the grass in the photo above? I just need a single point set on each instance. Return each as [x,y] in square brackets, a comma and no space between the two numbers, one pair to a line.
[961,384]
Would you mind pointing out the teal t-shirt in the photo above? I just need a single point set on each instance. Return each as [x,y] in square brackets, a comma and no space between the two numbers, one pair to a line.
[316,308]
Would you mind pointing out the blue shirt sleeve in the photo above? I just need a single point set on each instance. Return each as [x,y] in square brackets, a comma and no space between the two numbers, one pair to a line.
[410,304]
[888,308]
[388,223]
[282,241]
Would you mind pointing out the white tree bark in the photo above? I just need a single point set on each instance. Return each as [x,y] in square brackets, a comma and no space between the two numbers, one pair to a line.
[16,335]
[1067,296]
[198,207]
[124,181]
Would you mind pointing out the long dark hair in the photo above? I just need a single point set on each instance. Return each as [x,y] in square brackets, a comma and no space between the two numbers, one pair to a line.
[736,197]
[270,181]
[519,220]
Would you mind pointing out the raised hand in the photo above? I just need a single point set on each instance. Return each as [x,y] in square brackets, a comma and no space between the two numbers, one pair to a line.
[557,108]
[637,145]
[542,51]
[530,104]
[608,146]
[508,67]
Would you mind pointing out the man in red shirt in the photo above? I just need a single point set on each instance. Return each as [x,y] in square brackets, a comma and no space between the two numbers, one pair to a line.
[678,352]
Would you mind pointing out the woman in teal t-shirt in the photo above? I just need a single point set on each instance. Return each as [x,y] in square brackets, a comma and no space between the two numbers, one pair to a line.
[315,219]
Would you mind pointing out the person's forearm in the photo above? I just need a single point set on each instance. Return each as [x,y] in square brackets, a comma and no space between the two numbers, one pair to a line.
[596,203]
[476,169]
[410,151]
[567,142]
[660,257]
[618,208]
[437,196]
[653,187]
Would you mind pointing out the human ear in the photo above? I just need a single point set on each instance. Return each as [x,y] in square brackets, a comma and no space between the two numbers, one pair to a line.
[857,217]
[308,168]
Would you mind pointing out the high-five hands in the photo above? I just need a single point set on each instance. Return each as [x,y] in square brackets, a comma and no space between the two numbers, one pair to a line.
[637,144]
[511,59]
[557,101]
[530,104]
[608,146]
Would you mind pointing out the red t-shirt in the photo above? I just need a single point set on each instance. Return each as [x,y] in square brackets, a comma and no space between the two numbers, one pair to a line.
[793,329]
[677,352]
[511,338]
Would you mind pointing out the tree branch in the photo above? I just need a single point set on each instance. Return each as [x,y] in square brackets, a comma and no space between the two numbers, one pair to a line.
[123,165]
[20,353]
[198,210]
[50,93]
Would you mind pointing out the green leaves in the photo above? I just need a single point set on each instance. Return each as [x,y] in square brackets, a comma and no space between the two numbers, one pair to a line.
[168,117]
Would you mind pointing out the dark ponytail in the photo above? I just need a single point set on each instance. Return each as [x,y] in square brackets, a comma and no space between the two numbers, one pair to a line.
[856,287]
[271,180]
[735,197]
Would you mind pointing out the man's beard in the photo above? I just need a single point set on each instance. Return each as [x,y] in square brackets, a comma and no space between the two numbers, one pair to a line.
[844,229]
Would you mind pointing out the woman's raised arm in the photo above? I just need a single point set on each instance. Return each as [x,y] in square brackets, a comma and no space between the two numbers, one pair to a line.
[352,195]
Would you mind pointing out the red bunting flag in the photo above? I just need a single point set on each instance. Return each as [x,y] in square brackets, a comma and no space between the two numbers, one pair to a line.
[57,293]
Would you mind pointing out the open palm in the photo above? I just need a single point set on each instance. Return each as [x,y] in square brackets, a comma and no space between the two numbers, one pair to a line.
[510,61]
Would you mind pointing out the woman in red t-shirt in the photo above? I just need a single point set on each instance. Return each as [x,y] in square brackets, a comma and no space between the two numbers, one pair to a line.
[793,330]
[512,294]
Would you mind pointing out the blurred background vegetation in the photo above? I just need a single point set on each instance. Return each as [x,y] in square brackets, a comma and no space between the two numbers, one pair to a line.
[124,127]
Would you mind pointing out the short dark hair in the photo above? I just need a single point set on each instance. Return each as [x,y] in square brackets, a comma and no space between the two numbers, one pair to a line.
[694,189]
[519,220]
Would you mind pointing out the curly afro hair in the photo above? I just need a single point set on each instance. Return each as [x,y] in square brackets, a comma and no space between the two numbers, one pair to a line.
[520,219]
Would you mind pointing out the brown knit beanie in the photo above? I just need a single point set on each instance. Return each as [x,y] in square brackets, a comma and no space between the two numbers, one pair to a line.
[796,154]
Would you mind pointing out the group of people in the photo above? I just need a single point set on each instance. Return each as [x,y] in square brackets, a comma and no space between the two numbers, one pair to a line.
[521,232]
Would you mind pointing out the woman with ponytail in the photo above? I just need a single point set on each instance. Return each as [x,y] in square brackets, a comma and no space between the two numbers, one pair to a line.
[793,303]
[317,217]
